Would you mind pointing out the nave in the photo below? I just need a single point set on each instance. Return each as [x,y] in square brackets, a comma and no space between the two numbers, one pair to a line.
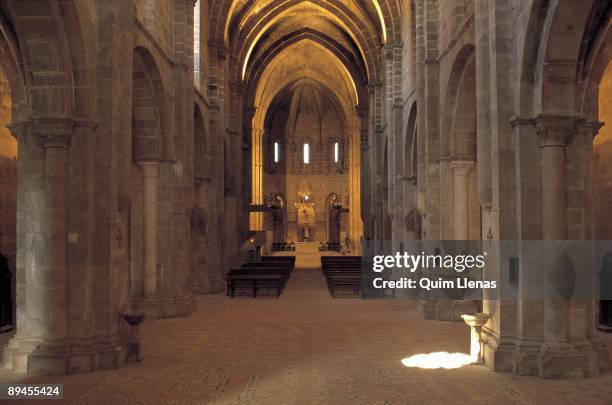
[308,348]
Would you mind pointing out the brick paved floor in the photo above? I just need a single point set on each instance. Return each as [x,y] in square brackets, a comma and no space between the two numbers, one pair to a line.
[306,348]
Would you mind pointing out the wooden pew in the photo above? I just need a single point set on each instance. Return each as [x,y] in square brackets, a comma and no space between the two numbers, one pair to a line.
[279,259]
[271,273]
[255,281]
[263,266]
[343,275]
[345,285]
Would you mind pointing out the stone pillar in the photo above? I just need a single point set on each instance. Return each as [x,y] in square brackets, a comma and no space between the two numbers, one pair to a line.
[414,186]
[150,170]
[41,344]
[557,357]
[585,338]
[483,91]
[589,130]
[420,96]
[461,171]
[428,114]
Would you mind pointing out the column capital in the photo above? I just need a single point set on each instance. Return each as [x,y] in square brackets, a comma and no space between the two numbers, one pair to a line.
[53,132]
[462,167]
[555,130]
[518,121]
[591,128]
[389,49]
[18,129]
[150,168]
[372,87]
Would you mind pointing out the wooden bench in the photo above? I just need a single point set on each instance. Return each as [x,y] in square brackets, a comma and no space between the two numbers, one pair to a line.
[345,285]
[279,259]
[255,282]
[269,274]
[343,275]
[272,266]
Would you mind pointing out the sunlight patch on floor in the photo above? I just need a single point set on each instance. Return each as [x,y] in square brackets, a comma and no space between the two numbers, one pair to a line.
[438,360]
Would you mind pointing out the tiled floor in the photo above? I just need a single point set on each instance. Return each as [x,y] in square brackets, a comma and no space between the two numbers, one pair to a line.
[306,348]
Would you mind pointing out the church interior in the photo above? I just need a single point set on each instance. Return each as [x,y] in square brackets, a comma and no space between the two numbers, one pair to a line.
[158,158]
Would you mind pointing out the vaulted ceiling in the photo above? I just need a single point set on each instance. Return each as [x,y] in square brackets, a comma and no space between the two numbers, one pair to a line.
[257,31]
[335,43]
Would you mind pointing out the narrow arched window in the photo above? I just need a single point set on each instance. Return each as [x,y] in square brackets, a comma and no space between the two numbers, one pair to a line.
[276,153]
[306,153]
[196,44]
[336,152]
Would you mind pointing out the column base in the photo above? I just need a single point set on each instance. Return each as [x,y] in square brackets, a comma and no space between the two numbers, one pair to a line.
[38,357]
[526,357]
[208,286]
[175,307]
[595,355]
[601,349]
[545,360]
[445,310]
[498,352]
[560,360]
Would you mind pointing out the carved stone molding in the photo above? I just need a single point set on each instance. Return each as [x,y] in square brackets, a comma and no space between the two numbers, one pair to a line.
[554,130]
[591,129]
[52,132]
[18,130]
[462,167]
[518,121]
[388,51]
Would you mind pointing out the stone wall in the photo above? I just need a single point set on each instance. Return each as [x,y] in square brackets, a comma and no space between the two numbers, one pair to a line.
[8,176]
[81,180]
[602,153]
[309,115]
[157,18]
[321,185]
[8,183]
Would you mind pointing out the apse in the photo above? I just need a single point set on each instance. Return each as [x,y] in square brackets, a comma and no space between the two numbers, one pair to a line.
[304,129]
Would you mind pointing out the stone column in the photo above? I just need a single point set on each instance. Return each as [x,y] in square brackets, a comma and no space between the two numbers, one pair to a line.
[589,130]
[585,338]
[414,186]
[50,265]
[557,358]
[483,91]
[420,96]
[553,135]
[41,342]
[461,171]
[150,170]
[363,118]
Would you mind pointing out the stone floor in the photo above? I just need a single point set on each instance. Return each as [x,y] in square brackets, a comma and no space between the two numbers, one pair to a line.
[306,348]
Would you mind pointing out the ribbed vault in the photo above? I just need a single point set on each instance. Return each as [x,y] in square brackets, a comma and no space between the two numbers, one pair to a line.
[358,28]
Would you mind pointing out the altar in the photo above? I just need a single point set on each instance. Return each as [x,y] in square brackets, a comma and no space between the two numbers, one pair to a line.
[306,248]
[307,254]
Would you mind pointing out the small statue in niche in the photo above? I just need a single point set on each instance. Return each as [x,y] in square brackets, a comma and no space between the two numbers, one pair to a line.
[306,229]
